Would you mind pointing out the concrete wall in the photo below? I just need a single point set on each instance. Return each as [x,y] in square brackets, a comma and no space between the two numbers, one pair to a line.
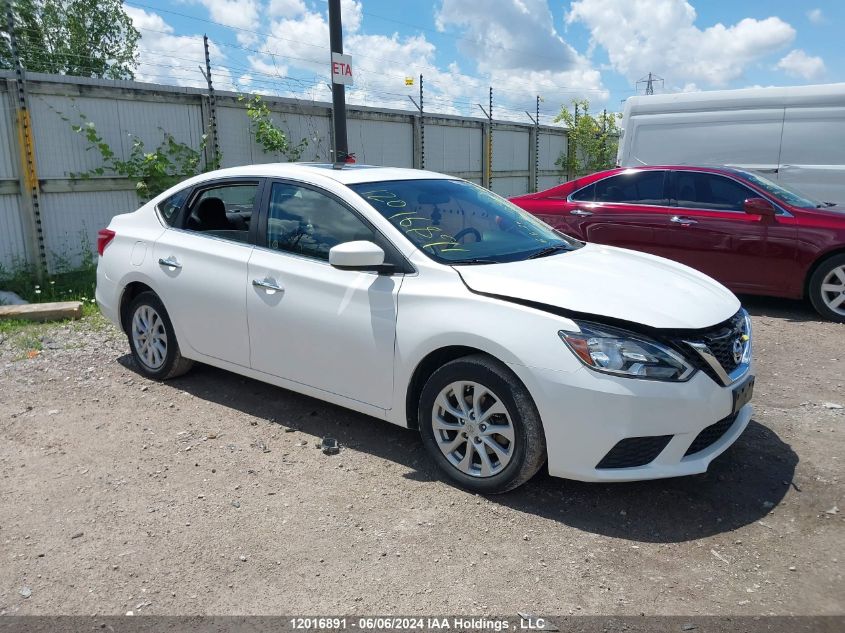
[73,210]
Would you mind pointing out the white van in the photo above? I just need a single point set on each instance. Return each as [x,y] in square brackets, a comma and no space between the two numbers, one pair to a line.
[795,135]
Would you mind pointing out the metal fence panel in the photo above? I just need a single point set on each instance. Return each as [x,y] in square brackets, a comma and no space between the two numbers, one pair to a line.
[8,166]
[508,186]
[511,151]
[381,142]
[12,238]
[71,222]
[452,149]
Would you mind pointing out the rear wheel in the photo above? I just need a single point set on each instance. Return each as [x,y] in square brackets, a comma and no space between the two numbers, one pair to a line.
[481,426]
[827,288]
[152,339]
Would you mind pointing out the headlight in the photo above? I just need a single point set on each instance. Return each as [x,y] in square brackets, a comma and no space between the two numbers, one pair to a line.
[622,353]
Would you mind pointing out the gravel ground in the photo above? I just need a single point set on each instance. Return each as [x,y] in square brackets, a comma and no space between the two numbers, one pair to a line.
[206,495]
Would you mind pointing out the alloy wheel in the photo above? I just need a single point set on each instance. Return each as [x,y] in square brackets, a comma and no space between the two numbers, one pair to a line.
[473,429]
[149,337]
[833,290]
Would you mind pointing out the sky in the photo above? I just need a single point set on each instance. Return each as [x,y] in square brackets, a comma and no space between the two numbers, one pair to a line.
[587,49]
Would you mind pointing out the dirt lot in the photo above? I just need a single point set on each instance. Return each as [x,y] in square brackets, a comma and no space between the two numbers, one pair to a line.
[206,495]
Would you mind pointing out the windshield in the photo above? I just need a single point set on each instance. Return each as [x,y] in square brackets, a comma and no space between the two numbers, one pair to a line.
[457,222]
[789,197]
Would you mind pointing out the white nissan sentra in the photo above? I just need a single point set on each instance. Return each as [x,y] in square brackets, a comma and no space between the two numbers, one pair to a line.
[429,302]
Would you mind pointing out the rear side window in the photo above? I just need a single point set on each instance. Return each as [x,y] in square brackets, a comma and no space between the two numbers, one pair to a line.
[639,187]
[700,190]
[169,207]
[224,211]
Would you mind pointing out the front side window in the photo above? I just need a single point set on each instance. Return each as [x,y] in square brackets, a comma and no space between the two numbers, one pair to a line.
[636,187]
[454,221]
[700,190]
[224,211]
[786,195]
[309,223]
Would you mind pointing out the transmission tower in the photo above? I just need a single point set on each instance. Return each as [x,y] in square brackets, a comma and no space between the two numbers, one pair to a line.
[649,83]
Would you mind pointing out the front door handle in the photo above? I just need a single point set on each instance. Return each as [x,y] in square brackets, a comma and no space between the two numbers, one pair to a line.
[268,284]
[580,212]
[171,262]
[679,219]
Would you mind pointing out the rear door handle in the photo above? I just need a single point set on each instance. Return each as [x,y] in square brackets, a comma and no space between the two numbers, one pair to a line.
[580,212]
[268,284]
[679,219]
[170,262]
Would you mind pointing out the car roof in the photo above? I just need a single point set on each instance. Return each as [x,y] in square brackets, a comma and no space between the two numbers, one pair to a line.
[345,174]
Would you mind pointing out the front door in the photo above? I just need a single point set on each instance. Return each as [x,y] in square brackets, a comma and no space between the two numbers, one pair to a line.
[708,229]
[309,322]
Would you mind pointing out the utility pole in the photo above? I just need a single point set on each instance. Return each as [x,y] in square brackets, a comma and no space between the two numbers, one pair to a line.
[649,82]
[212,108]
[28,176]
[341,148]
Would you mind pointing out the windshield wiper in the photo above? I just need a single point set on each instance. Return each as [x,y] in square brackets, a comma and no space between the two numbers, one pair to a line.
[551,250]
[474,260]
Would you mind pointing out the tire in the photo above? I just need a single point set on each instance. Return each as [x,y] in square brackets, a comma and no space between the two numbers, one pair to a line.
[506,401]
[161,359]
[827,288]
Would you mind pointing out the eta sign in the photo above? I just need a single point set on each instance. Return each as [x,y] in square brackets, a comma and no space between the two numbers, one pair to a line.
[342,69]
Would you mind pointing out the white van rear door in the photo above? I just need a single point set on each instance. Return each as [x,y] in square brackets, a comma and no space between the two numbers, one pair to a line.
[812,157]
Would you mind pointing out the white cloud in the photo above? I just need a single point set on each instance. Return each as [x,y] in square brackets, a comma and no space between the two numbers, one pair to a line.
[661,36]
[816,16]
[285,8]
[165,58]
[515,45]
[798,63]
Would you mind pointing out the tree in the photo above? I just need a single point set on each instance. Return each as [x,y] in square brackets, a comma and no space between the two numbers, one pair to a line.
[85,38]
[592,140]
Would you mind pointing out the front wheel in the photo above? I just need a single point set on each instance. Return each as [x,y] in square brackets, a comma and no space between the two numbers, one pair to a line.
[481,426]
[153,340]
[827,289]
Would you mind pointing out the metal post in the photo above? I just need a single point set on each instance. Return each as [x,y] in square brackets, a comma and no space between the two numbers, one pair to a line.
[341,148]
[212,107]
[422,126]
[30,190]
[490,144]
[537,146]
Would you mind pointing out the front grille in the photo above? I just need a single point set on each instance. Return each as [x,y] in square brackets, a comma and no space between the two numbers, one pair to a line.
[634,451]
[719,340]
[710,435]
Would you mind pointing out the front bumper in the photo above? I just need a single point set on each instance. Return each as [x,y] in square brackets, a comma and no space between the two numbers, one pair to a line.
[586,414]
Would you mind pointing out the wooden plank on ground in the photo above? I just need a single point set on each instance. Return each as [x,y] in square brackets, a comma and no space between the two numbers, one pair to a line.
[43,311]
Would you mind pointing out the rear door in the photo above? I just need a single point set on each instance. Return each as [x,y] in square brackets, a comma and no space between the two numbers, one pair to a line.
[201,269]
[621,210]
[709,230]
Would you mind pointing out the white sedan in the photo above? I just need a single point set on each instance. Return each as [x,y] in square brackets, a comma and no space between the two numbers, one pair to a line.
[429,302]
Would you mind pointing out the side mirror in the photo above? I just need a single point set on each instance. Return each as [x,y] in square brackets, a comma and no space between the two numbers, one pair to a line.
[759,206]
[360,255]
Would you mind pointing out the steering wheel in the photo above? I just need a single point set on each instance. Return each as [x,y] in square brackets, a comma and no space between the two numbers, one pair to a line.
[467,231]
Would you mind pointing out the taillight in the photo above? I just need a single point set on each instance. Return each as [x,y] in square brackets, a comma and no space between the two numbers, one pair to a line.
[104,236]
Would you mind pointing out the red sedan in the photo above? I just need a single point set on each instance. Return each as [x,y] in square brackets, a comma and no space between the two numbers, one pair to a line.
[744,230]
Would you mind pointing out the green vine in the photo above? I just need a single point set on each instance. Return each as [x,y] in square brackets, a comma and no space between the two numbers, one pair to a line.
[153,172]
[272,138]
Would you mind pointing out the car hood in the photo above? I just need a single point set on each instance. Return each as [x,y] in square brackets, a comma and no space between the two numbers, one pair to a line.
[610,282]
